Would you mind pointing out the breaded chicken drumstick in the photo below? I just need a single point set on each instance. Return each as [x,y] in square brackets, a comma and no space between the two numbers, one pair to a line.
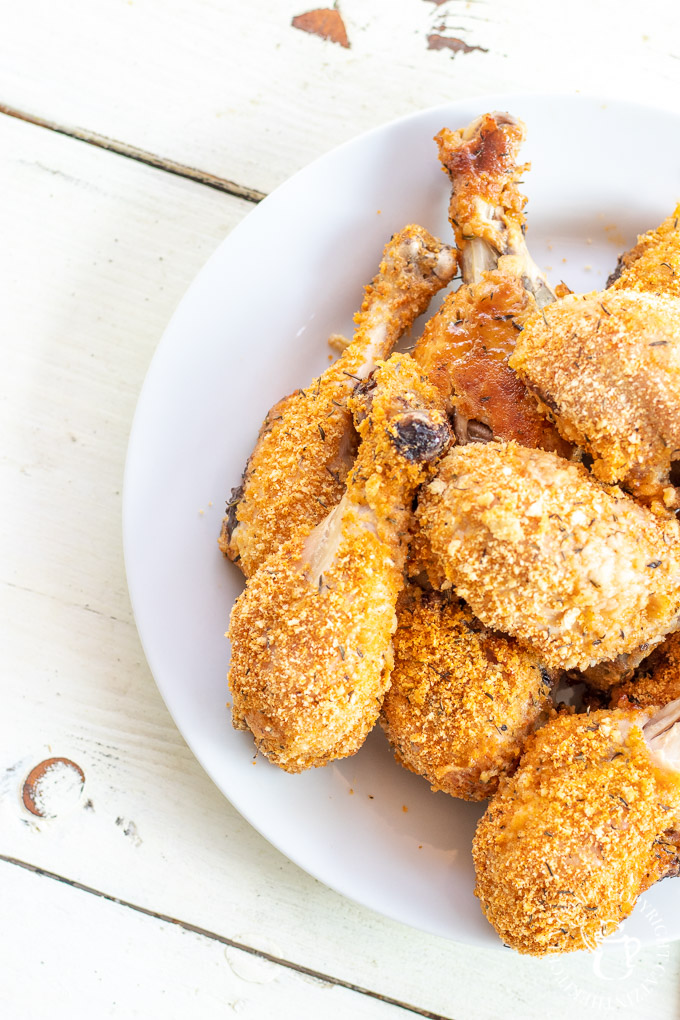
[465,347]
[463,698]
[605,367]
[584,826]
[312,633]
[653,265]
[540,550]
[307,443]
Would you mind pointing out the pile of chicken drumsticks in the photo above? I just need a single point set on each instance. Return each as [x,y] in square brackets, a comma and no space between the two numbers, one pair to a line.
[437,540]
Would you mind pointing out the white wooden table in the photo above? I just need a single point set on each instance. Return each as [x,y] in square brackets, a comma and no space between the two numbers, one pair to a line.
[134,135]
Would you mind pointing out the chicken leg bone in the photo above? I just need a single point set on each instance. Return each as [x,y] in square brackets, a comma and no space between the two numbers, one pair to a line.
[307,442]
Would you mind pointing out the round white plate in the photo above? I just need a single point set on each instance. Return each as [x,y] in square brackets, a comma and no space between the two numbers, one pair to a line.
[252,327]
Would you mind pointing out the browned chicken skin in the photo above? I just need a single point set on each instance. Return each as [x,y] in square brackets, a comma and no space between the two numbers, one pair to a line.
[587,823]
[463,698]
[307,442]
[465,347]
[312,633]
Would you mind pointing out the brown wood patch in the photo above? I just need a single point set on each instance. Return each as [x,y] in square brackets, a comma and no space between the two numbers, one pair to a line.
[444,42]
[324,22]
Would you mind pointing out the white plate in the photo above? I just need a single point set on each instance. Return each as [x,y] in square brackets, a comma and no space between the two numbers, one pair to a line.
[252,327]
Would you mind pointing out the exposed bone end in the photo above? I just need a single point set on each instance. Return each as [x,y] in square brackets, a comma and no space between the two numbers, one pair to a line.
[446,264]
[415,266]
[662,733]
[486,205]
[502,119]
[418,437]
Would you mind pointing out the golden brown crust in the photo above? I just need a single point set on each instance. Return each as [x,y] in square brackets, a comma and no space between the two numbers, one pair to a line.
[307,443]
[571,840]
[463,698]
[653,265]
[540,550]
[656,681]
[309,666]
[311,634]
[606,369]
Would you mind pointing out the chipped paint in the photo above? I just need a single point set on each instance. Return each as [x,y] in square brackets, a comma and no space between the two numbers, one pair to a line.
[443,42]
[325,22]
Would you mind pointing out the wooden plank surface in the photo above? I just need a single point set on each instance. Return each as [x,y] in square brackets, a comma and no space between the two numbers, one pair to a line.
[97,249]
[231,88]
[111,246]
[118,963]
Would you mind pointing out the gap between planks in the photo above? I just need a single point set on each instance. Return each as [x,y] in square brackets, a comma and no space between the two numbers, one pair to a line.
[232,943]
[140,155]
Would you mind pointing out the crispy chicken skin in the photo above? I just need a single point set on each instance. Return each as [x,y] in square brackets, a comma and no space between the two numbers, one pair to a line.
[542,551]
[653,265]
[463,698]
[581,829]
[307,443]
[605,367]
[465,347]
[312,633]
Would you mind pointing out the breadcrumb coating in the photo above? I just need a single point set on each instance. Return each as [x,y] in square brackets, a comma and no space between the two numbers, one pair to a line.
[571,840]
[653,265]
[605,367]
[307,443]
[312,633]
[463,698]
[656,681]
[542,551]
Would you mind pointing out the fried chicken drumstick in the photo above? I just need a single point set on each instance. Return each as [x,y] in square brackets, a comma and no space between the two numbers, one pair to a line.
[463,698]
[605,367]
[465,347]
[586,824]
[312,633]
[653,265]
[307,442]
[542,551]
